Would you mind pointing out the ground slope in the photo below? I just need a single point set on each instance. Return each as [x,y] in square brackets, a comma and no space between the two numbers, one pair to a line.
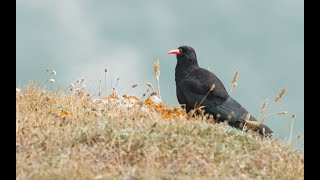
[75,136]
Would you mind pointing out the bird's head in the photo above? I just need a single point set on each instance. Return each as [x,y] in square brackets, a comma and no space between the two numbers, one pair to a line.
[186,54]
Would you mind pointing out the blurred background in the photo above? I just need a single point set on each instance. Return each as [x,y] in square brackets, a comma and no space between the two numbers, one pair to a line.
[264,40]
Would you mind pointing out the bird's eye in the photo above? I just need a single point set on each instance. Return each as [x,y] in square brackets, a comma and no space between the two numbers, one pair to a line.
[181,51]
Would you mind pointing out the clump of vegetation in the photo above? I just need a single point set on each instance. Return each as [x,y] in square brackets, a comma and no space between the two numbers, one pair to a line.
[77,136]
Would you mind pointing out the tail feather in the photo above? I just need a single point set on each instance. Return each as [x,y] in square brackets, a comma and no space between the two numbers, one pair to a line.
[238,115]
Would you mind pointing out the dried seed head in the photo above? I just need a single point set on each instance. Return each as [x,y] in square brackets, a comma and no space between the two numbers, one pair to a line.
[282,112]
[54,72]
[252,124]
[264,105]
[105,69]
[155,93]
[52,80]
[71,87]
[247,118]
[212,87]
[293,116]
[150,85]
[234,79]
[134,85]
[283,90]
[48,69]
[156,69]
[80,80]
[18,90]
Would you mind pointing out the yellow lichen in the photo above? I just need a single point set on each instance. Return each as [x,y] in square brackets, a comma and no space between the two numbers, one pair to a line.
[64,113]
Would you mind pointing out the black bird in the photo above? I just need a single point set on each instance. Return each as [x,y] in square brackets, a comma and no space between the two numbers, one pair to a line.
[193,83]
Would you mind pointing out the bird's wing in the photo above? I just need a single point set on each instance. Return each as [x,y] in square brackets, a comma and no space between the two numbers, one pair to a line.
[194,93]
[205,80]
[191,92]
[230,107]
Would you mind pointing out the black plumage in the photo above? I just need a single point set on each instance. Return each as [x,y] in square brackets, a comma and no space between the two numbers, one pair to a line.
[193,83]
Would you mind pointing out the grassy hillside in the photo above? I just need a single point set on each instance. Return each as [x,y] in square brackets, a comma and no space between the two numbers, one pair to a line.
[75,136]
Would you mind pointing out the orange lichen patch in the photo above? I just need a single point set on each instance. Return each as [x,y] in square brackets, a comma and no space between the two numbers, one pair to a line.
[64,113]
[112,96]
[164,110]
[152,103]
[149,102]
[130,97]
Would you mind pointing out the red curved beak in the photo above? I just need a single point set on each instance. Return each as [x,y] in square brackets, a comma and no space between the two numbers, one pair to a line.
[175,51]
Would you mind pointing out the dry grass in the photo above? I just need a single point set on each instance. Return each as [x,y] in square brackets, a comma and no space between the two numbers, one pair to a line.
[156,70]
[74,136]
[283,90]
[264,106]
[234,80]
[292,122]
[134,85]
[210,90]
[282,112]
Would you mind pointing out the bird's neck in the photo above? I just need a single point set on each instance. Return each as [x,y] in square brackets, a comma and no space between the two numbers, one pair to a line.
[183,69]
